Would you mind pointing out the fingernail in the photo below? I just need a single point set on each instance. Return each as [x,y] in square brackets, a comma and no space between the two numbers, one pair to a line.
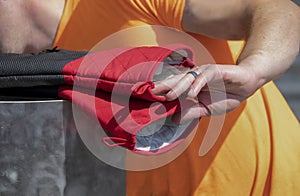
[170,95]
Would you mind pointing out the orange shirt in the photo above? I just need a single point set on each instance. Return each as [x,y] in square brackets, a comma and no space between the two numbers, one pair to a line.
[258,149]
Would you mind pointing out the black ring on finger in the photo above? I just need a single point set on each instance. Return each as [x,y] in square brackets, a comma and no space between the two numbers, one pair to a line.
[193,73]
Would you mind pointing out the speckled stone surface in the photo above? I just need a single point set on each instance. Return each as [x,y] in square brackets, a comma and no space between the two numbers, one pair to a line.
[41,154]
[32,151]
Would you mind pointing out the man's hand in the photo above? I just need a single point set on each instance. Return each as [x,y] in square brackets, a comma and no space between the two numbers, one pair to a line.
[217,89]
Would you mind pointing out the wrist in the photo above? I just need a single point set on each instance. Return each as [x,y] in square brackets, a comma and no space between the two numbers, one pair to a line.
[255,65]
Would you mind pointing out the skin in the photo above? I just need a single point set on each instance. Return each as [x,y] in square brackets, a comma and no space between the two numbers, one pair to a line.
[268,53]
[271,29]
[28,25]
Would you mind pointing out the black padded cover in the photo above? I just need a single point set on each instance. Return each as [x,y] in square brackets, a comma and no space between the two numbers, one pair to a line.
[33,76]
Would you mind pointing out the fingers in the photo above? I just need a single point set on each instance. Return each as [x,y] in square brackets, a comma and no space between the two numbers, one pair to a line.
[217,88]
[192,83]
[180,86]
[208,73]
[164,86]
[197,111]
[173,87]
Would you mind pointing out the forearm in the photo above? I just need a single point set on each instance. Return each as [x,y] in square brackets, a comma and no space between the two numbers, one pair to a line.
[273,39]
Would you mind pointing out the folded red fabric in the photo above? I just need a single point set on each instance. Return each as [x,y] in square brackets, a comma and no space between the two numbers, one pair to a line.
[115,87]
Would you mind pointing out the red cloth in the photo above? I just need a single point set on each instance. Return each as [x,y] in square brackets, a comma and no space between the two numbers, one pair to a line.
[115,86]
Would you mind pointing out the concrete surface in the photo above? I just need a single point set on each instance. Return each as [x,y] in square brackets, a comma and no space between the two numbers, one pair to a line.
[41,154]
